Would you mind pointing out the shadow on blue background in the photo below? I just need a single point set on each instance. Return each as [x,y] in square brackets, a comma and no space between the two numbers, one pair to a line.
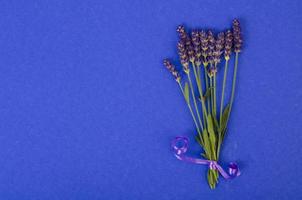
[88,110]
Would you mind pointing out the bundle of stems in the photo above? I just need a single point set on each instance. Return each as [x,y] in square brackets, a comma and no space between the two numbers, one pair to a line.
[202,52]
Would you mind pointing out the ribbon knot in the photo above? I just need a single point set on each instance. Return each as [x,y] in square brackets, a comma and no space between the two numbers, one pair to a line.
[213,165]
[180,146]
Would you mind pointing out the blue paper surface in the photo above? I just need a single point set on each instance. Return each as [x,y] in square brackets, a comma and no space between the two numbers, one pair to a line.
[88,110]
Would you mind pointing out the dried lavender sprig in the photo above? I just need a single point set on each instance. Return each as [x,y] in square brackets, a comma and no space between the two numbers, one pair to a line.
[237,36]
[228,44]
[190,49]
[185,38]
[172,70]
[210,60]
[227,54]
[204,45]
[186,49]
[195,35]
[197,47]
[182,52]
[211,45]
[181,32]
[167,63]
[219,47]
[237,49]
[182,48]
[197,50]
[204,52]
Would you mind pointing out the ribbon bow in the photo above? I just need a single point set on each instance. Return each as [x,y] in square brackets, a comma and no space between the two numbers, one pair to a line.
[180,146]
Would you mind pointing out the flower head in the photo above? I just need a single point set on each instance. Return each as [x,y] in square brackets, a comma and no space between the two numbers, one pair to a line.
[190,49]
[197,47]
[237,36]
[219,45]
[172,69]
[228,44]
[182,52]
[181,32]
[211,41]
[185,38]
[204,45]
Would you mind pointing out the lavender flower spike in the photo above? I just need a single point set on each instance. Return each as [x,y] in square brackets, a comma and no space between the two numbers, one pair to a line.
[237,36]
[172,70]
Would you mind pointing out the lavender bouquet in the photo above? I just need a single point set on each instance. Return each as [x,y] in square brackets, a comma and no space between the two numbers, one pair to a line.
[203,52]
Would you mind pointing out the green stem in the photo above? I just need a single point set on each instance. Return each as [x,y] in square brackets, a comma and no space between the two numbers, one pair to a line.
[221,106]
[199,86]
[194,100]
[214,99]
[233,88]
[234,81]
[223,89]
[212,178]
[211,96]
[198,72]
[207,85]
[191,111]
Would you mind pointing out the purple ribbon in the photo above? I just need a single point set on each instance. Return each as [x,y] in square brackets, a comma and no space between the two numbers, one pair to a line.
[180,146]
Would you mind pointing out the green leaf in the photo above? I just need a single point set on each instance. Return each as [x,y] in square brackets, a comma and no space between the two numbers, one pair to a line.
[225,116]
[212,135]
[216,124]
[207,145]
[208,93]
[198,140]
[186,93]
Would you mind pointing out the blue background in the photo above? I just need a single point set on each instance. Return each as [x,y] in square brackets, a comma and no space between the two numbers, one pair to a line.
[87,110]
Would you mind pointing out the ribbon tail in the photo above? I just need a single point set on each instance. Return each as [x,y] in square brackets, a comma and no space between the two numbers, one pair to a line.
[233,171]
[222,172]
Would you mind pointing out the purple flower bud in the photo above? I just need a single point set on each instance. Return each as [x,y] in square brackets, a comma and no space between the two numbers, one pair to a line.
[182,32]
[212,70]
